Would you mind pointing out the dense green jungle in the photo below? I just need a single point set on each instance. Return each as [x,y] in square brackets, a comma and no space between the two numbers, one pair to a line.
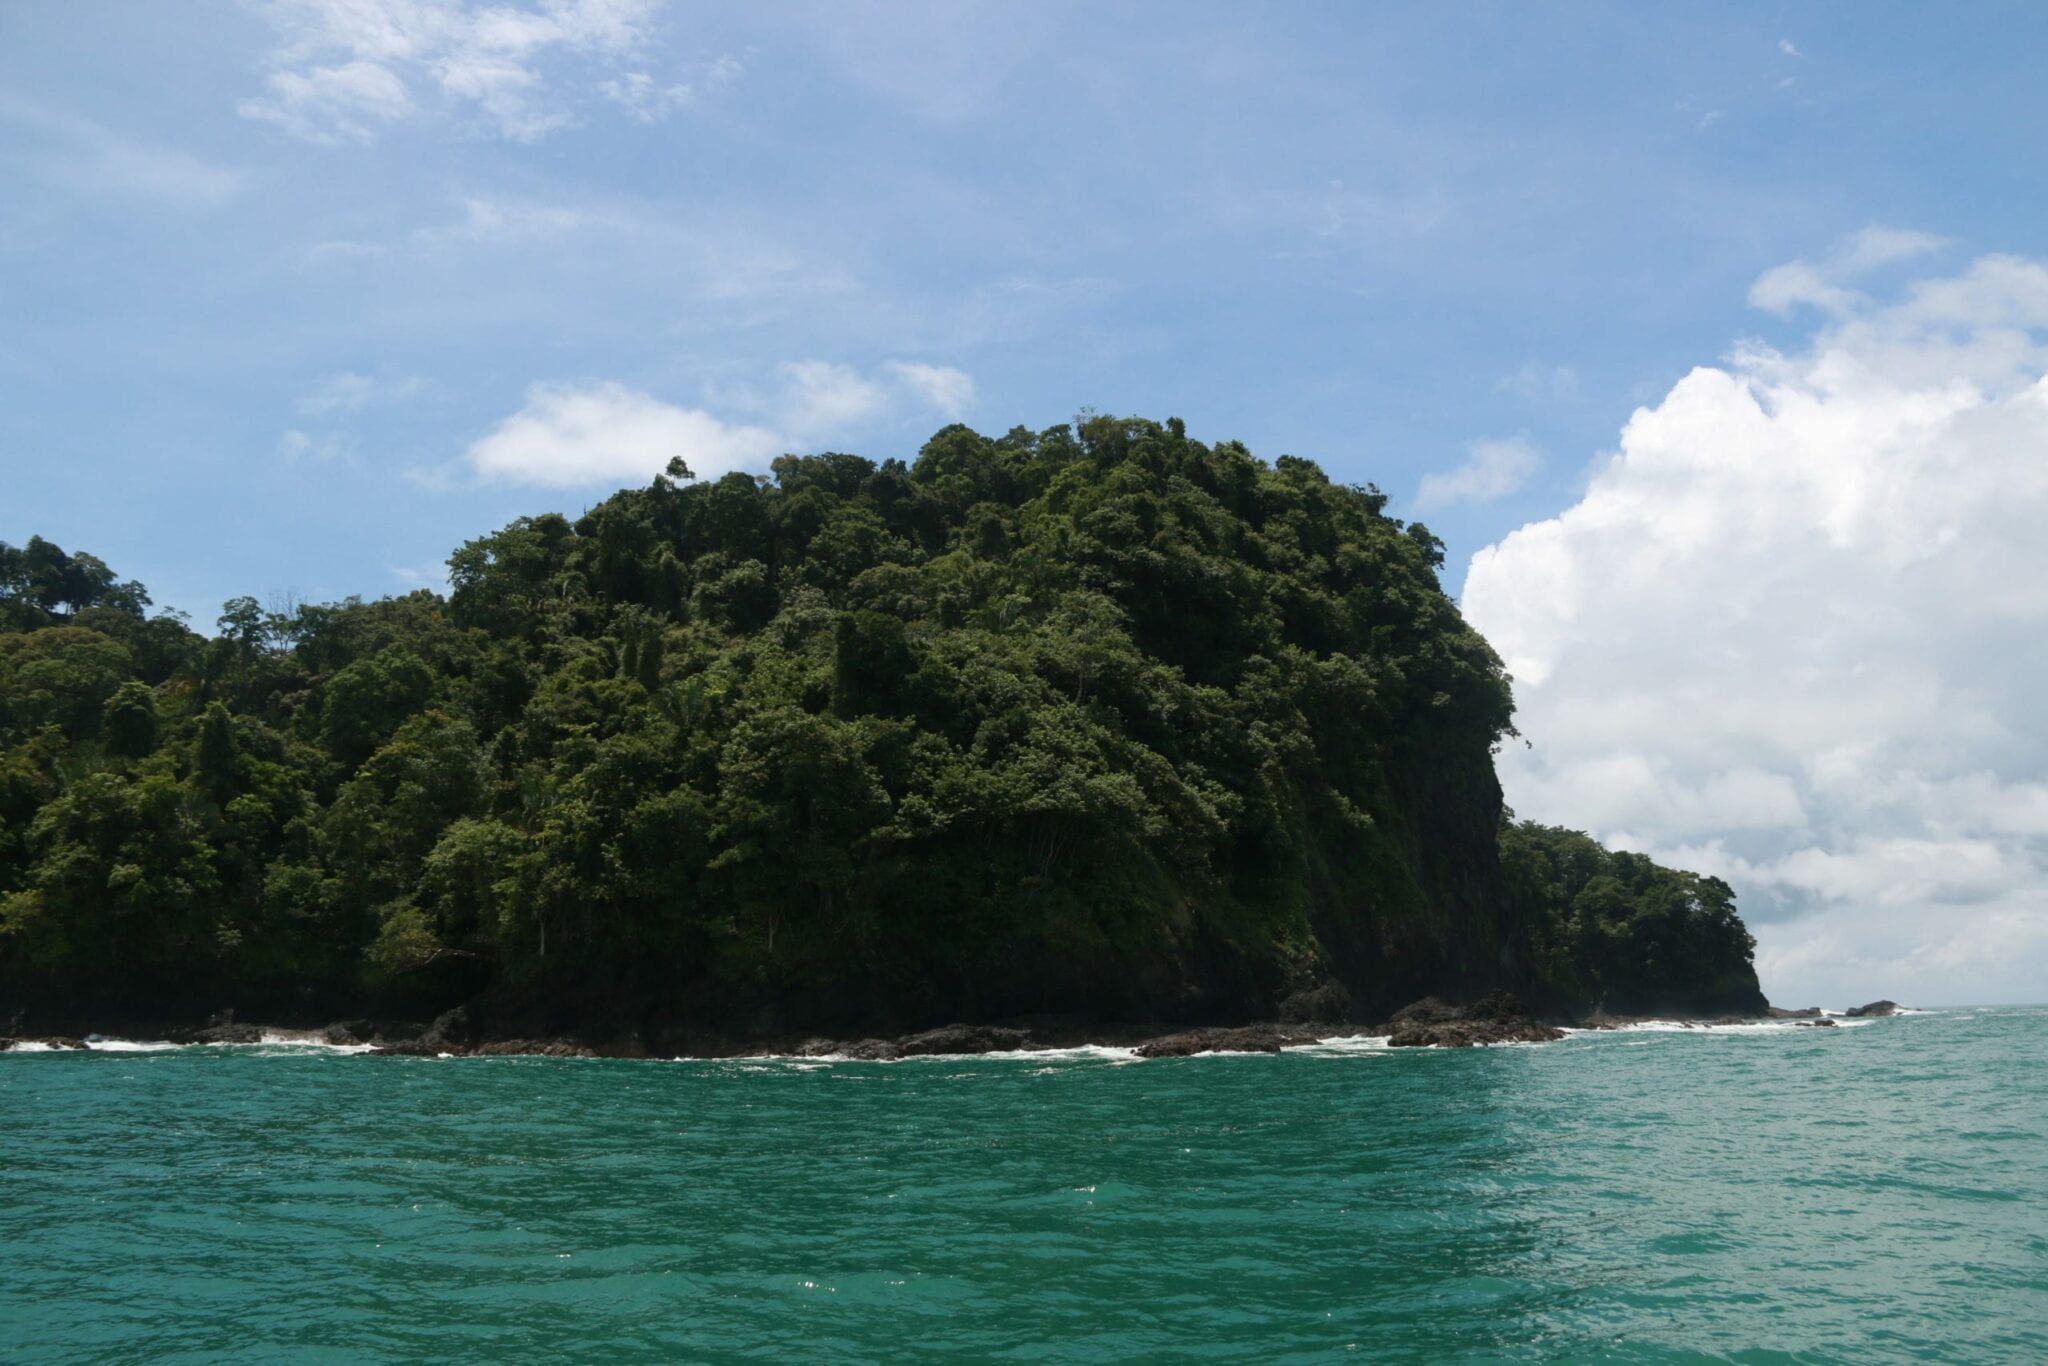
[1098,721]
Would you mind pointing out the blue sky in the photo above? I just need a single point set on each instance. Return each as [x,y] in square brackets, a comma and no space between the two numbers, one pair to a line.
[296,297]
[1372,235]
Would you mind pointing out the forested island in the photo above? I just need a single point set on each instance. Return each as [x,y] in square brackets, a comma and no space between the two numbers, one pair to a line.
[1098,724]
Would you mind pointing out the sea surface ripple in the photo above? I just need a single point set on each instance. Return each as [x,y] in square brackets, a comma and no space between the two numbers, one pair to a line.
[1775,1195]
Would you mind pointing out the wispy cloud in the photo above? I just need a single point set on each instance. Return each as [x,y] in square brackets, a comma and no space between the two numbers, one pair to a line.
[1540,383]
[341,249]
[1702,117]
[349,392]
[89,157]
[1492,469]
[345,70]
[487,219]
[331,104]
[433,576]
[302,447]
[647,100]
[942,387]
[1824,284]
[819,397]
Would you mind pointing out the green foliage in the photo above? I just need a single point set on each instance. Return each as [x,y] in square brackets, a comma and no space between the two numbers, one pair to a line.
[1092,718]
[40,584]
[62,677]
[128,721]
[1619,931]
[363,703]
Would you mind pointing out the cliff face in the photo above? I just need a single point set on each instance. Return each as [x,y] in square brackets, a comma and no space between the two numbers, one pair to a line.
[1097,721]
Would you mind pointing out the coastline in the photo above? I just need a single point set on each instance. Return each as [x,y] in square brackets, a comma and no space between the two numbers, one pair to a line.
[1493,1020]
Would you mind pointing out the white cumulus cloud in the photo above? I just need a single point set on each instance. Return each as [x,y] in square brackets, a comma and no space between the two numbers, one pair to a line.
[1796,633]
[1492,469]
[570,435]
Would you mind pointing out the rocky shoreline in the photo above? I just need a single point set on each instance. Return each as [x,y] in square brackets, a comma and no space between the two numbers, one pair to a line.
[1496,1018]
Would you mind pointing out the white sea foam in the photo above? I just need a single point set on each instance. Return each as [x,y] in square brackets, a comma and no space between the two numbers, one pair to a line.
[1694,1027]
[1087,1052]
[1345,1046]
[306,1038]
[810,1062]
[281,1043]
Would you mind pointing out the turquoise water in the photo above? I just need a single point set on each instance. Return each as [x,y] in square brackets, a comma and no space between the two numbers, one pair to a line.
[1869,1193]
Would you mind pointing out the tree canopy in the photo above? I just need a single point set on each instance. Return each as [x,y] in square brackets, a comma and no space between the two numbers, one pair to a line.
[1097,718]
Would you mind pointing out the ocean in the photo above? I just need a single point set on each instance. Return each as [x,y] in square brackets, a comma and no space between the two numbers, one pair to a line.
[1873,1192]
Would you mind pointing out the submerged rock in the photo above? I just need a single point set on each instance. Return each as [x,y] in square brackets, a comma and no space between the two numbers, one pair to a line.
[1815,1024]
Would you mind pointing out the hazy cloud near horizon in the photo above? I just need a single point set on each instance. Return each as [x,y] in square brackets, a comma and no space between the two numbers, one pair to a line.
[1794,633]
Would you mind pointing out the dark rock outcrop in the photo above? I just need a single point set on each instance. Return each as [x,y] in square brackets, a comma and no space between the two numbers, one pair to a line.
[1874,1008]
[1497,1017]
[960,1038]
[1427,1011]
[531,1048]
[954,1038]
[858,1050]
[1324,1003]
[451,1032]
[1781,1013]
[217,1033]
[1259,1038]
